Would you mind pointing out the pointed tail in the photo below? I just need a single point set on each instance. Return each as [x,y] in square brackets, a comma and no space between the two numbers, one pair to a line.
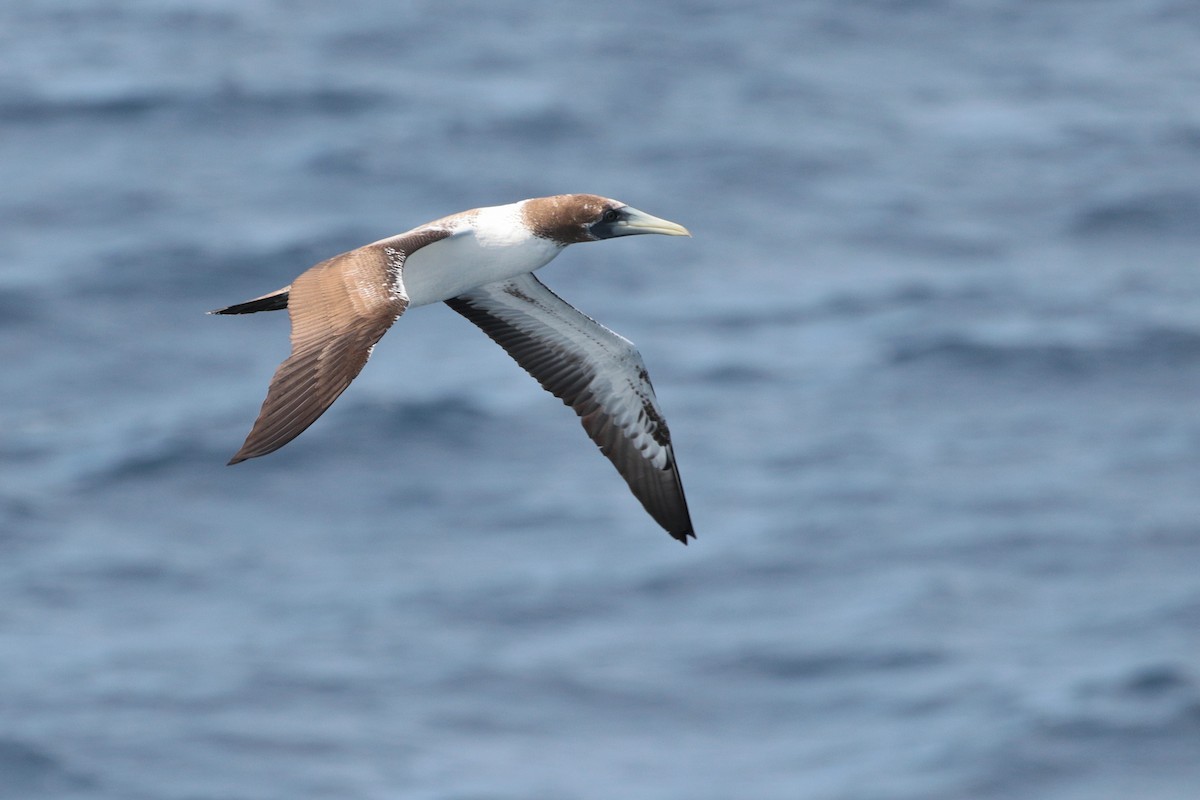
[275,301]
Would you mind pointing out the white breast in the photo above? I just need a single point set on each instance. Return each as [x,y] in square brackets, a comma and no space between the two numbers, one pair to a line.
[492,245]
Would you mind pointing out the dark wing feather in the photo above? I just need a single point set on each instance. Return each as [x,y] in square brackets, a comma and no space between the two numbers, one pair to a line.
[339,309]
[599,374]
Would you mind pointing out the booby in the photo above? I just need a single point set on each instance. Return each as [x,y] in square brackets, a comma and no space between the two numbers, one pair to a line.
[481,264]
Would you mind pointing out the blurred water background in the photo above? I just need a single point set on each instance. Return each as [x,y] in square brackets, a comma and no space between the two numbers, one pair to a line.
[931,363]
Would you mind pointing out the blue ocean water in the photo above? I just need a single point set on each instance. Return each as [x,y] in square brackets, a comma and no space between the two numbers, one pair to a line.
[931,364]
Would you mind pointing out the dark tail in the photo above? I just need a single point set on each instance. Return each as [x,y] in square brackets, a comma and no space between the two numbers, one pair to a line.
[275,301]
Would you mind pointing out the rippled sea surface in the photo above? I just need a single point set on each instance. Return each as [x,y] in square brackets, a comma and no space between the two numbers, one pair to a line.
[931,364]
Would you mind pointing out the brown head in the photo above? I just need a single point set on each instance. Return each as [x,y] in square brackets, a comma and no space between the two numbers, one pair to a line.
[574,218]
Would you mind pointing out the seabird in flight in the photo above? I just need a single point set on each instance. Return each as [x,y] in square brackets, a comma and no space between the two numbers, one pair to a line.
[481,264]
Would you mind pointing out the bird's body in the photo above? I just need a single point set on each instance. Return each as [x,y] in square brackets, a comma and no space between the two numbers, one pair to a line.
[480,263]
[483,246]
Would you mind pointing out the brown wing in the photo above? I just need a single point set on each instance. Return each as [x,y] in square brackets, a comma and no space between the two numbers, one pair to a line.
[340,308]
[599,374]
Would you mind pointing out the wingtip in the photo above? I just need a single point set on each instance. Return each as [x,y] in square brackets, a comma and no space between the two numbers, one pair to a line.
[683,536]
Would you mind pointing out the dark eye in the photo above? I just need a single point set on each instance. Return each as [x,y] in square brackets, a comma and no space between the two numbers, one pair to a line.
[612,215]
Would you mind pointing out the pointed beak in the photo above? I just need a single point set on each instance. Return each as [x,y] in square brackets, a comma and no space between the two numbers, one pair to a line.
[634,222]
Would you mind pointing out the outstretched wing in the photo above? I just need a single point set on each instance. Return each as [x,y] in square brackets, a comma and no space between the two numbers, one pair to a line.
[595,371]
[340,308]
